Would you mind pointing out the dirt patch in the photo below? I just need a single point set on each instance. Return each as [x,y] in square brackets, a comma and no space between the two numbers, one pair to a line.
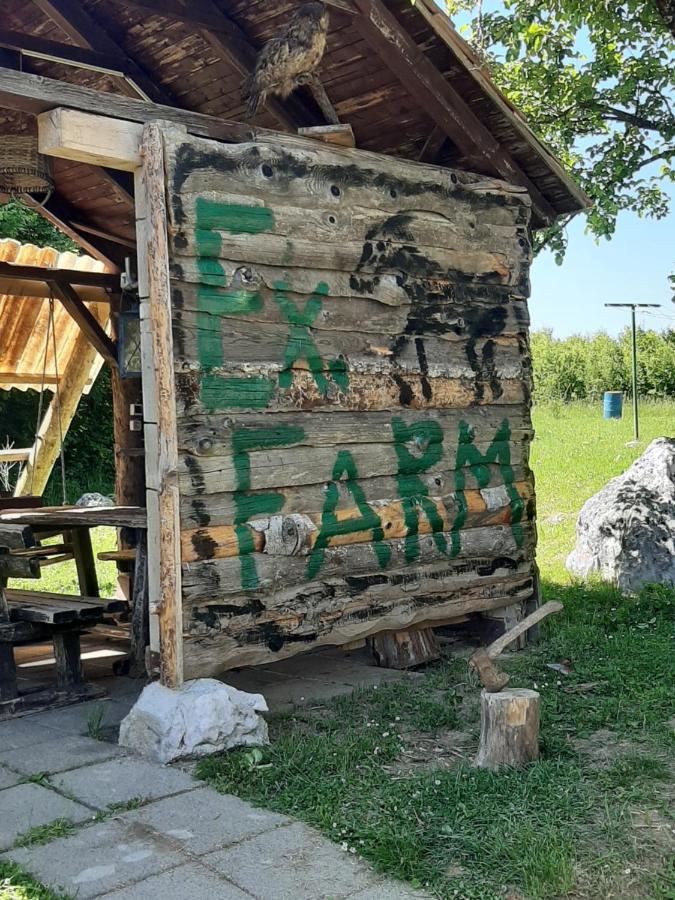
[603,748]
[426,752]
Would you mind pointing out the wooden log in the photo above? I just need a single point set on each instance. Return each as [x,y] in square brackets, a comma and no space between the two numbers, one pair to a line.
[80,539]
[312,621]
[340,135]
[16,537]
[67,655]
[140,623]
[404,649]
[498,646]
[159,398]
[509,735]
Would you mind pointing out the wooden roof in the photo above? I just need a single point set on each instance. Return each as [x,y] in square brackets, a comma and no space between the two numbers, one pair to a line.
[24,320]
[398,73]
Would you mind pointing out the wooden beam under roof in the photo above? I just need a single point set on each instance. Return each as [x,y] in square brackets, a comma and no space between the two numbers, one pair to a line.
[54,51]
[63,216]
[200,13]
[399,52]
[88,323]
[104,280]
[83,29]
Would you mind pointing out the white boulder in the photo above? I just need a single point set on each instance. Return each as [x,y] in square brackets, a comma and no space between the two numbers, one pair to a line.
[205,716]
[626,532]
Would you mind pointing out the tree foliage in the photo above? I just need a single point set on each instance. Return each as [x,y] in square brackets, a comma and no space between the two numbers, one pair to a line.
[582,368]
[597,81]
[23,224]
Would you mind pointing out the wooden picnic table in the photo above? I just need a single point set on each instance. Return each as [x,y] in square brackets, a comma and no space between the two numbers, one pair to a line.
[36,615]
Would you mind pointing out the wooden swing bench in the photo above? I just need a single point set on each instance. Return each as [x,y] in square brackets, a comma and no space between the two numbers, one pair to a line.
[33,616]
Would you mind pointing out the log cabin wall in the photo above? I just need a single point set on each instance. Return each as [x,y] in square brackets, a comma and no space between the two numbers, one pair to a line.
[353,388]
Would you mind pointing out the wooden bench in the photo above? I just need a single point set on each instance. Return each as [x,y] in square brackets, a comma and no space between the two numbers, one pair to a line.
[36,616]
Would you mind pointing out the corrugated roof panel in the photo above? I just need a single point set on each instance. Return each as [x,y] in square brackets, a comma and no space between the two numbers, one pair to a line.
[24,322]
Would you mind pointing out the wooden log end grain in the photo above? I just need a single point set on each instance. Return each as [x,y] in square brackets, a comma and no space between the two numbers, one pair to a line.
[509,735]
[405,649]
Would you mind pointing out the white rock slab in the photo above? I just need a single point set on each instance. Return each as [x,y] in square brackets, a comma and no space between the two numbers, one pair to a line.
[205,716]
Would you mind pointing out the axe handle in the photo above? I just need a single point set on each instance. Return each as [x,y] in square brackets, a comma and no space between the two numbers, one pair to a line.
[496,647]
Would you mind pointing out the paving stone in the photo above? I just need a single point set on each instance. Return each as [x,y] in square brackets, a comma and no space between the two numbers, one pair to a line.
[190,881]
[98,859]
[62,752]
[120,780]
[29,805]
[75,719]
[204,820]
[8,778]
[25,732]
[292,863]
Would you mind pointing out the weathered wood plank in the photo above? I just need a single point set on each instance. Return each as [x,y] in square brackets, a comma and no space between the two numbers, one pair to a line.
[277,350]
[387,288]
[246,389]
[261,575]
[454,312]
[214,208]
[297,534]
[375,254]
[157,355]
[332,176]
[214,435]
[274,467]
[211,652]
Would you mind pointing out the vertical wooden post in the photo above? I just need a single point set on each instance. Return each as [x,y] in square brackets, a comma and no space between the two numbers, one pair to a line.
[159,407]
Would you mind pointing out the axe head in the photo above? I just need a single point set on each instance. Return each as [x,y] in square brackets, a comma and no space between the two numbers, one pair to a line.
[491,677]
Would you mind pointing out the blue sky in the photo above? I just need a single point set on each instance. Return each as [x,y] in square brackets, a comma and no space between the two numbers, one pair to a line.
[633,266]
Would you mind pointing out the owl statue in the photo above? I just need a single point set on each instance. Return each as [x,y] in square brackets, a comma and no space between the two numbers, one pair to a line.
[286,58]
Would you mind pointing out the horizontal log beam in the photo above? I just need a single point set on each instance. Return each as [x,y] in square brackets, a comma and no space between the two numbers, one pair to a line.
[103,280]
[78,136]
[14,454]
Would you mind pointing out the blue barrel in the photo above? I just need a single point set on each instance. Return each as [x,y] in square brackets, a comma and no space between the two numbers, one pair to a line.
[612,407]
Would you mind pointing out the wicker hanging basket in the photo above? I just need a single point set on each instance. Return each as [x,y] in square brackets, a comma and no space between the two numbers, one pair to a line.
[22,169]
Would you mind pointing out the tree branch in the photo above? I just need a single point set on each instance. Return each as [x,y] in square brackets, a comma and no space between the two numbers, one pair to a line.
[623,115]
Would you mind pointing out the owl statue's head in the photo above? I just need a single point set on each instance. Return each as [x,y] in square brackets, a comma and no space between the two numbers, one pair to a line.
[314,11]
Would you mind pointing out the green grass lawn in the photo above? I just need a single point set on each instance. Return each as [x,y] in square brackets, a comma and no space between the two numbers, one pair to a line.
[594,818]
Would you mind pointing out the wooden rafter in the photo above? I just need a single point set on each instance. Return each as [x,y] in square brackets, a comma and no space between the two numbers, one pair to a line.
[54,51]
[84,318]
[380,28]
[200,13]
[432,145]
[67,219]
[84,30]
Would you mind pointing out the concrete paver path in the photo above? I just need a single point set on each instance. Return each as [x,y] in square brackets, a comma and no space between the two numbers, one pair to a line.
[147,831]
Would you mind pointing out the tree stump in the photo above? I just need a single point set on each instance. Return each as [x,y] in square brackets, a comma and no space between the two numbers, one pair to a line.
[404,649]
[509,729]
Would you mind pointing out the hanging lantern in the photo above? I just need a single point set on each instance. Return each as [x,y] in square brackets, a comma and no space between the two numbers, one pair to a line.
[129,331]
[22,169]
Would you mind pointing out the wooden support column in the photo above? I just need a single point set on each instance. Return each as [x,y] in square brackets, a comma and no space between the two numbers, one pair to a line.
[85,364]
[159,409]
